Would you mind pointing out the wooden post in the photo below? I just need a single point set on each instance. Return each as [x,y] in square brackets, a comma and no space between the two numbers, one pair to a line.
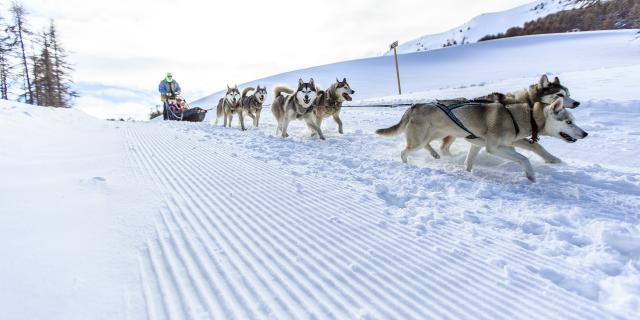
[395,54]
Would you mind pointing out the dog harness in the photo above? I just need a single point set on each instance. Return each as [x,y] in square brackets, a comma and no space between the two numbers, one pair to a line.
[515,124]
[448,110]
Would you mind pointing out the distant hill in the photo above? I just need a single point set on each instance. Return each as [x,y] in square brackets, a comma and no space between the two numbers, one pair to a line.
[618,14]
[492,23]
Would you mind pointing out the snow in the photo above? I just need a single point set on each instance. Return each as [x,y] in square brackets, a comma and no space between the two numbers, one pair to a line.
[490,24]
[71,216]
[167,220]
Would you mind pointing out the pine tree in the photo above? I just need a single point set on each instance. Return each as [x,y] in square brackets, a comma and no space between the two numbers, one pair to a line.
[21,33]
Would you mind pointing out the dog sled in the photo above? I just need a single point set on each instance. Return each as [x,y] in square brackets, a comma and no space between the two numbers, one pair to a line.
[176,109]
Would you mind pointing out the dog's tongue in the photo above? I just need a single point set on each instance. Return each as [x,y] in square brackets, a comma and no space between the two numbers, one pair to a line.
[346,96]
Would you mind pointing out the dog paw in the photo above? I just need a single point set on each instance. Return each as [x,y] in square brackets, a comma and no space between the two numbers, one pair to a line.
[531,177]
[553,160]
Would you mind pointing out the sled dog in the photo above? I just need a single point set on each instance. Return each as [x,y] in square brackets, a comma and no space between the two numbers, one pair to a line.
[492,125]
[330,103]
[252,105]
[298,104]
[229,105]
[544,91]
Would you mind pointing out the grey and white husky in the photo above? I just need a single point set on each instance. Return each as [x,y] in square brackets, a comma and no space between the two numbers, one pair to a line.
[486,124]
[543,91]
[330,102]
[296,105]
[252,105]
[228,105]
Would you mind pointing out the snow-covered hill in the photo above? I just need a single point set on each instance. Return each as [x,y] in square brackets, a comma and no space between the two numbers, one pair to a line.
[478,64]
[490,23]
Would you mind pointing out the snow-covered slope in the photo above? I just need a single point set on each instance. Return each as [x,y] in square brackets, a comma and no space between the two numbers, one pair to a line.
[166,220]
[489,24]
[475,64]
[72,216]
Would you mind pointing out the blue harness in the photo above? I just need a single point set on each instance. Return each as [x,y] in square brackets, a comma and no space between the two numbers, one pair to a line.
[448,110]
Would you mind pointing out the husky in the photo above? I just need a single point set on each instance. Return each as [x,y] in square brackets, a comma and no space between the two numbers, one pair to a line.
[544,91]
[229,105]
[330,102]
[252,105]
[497,127]
[298,104]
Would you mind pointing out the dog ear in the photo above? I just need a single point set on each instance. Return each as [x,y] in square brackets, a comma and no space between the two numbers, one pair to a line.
[311,82]
[228,87]
[556,80]
[544,81]
[344,80]
[557,105]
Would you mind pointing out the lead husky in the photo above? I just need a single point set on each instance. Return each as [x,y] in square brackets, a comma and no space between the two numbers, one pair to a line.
[544,91]
[229,105]
[297,104]
[252,105]
[330,103]
[489,125]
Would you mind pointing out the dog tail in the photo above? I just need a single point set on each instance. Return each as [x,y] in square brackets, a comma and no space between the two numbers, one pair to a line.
[220,107]
[280,89]
[245,91]
[397,128]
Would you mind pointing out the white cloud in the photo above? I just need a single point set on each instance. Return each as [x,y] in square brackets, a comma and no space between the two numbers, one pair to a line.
[208,44]
[103,109]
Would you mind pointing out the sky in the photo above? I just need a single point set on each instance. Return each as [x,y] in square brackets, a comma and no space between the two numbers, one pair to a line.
[208,44]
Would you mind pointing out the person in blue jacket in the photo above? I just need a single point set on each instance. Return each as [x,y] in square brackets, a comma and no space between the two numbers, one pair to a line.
[168,88]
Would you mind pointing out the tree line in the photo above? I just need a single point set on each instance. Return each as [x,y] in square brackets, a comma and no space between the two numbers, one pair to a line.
[617,14]
[34,66]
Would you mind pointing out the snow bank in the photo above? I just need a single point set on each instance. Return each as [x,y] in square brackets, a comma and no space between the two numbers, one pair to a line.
[71,216]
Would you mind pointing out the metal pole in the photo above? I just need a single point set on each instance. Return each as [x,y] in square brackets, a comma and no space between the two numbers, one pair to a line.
[395,54]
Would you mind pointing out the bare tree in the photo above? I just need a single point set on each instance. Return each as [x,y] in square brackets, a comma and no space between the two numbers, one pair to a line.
[61,70]
[21,32]
[7,48]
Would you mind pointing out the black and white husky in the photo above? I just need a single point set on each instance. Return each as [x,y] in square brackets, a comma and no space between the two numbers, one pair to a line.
[252,105]
[228,105]
[330,103]
[294,105]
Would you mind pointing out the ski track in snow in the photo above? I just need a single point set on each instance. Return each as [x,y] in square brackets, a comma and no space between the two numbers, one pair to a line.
[255,226]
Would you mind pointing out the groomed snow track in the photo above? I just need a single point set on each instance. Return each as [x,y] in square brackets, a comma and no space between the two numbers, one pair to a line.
[239,237]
